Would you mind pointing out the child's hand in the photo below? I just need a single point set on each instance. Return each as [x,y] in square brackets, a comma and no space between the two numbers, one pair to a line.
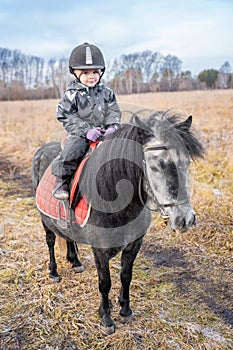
[109,131]
[93,134]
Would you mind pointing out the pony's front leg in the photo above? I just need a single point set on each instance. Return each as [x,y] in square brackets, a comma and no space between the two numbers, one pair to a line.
[102,266]
[127,259]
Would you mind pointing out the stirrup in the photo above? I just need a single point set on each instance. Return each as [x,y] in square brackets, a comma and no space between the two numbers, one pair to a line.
[61,194]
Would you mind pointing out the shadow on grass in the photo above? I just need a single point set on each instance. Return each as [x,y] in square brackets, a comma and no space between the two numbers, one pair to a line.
[207,282]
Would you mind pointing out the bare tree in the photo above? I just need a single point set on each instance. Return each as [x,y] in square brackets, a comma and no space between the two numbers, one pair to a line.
[58,76]
[223,76]
[171,69]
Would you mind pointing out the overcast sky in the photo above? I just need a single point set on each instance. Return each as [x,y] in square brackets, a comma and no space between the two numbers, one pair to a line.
[199,32]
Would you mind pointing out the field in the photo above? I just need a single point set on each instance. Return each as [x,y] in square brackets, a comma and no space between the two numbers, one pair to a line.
[182,288]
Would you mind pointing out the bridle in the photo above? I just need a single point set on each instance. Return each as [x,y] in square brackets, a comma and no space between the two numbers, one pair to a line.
[160,206]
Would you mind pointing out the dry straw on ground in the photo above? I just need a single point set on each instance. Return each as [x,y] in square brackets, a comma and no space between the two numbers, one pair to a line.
[182,287]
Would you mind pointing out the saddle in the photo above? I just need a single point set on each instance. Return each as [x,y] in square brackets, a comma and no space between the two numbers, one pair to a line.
[60,210]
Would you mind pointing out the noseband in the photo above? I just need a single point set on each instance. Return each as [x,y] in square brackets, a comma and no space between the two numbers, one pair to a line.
[160,207]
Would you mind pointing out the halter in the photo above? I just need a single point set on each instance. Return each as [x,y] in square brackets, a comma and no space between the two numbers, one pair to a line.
[160,207]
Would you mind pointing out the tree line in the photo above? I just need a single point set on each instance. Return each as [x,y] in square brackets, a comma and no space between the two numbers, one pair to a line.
[31,77]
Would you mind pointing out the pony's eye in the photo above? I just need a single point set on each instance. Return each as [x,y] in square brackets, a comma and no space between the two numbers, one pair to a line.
[154,168]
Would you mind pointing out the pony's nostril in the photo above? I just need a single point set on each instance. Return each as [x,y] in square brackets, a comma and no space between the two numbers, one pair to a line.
[180,222]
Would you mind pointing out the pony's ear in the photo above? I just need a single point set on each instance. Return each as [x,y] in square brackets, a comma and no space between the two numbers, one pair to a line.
[186,124]
[141,124]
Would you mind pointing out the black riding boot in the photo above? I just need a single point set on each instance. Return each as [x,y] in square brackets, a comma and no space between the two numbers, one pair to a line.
[61,189]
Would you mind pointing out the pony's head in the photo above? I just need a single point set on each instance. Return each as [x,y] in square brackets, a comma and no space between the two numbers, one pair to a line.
[167,156]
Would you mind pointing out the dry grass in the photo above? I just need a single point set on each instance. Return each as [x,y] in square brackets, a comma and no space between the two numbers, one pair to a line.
[182,288]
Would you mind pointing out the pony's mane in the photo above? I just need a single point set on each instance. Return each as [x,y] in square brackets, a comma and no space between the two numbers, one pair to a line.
[180,127]
[132,132]
[118,157]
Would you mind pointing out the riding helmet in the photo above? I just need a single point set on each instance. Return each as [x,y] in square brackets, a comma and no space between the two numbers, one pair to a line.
[86,56]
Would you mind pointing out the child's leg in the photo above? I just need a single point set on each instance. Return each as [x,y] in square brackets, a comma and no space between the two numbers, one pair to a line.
[64,166]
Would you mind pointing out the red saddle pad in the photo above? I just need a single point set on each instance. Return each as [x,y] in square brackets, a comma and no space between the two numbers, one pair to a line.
[56,209]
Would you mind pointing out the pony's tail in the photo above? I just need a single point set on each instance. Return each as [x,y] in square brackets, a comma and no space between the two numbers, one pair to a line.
[62,246]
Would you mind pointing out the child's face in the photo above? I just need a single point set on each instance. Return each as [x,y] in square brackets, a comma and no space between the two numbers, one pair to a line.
[89,77]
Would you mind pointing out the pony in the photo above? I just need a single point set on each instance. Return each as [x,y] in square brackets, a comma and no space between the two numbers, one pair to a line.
[144,163]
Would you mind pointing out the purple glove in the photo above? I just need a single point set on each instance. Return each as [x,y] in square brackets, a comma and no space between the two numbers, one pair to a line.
[93,134]
[109,131]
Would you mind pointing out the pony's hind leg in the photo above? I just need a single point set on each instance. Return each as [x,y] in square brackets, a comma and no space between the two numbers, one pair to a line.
[50,240]
[127,259]
[72,257]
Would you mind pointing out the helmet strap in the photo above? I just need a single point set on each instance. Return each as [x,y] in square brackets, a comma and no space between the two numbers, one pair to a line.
[72,72]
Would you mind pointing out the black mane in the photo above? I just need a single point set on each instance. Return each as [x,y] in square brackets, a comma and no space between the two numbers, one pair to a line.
[120,156]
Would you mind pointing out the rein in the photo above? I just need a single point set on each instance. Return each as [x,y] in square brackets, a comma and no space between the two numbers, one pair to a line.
[160,207]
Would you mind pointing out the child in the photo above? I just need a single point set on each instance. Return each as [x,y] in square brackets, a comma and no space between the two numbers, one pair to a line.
[86,109]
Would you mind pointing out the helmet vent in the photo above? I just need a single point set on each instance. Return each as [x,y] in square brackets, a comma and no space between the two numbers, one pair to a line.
[88,55]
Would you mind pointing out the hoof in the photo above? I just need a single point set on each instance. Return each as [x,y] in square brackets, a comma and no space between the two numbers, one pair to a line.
[107,330]
[127,319]
[78,269]
[54,278]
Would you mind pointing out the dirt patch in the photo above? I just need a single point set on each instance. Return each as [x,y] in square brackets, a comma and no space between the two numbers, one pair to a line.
[18,178]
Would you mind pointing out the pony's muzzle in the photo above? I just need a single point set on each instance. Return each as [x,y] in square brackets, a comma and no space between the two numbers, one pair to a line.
[182,224]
